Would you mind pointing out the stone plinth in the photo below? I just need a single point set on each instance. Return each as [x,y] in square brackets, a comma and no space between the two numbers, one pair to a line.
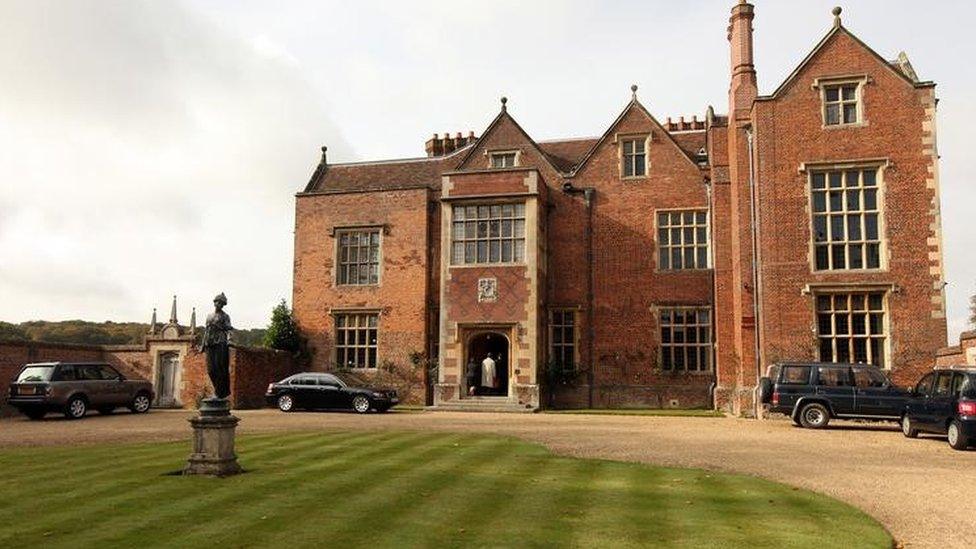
[213,440]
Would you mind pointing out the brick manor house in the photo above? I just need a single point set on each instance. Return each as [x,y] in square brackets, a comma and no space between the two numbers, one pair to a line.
[659,264]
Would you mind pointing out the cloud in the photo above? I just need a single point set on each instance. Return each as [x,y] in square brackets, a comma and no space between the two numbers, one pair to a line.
[146,151]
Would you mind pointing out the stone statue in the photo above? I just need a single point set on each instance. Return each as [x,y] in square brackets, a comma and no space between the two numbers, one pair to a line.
[214,428]
[215,343]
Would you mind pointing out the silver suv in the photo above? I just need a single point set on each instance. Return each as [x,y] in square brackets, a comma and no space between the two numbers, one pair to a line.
[73,388]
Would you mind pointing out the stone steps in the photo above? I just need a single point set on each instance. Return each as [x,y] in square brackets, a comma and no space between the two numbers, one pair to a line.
[481,404]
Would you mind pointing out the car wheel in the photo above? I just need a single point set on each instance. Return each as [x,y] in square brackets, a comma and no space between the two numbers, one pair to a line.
[361,404]
[76,408]
[956,439]
[908,428]
[286,403]
[35,414]
[106,411]
[140,404]
[814,416]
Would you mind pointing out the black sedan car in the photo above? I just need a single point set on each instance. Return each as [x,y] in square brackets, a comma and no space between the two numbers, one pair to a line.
[333,391]
[944,402]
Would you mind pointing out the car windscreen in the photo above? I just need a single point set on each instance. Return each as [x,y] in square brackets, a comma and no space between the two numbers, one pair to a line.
[35,373]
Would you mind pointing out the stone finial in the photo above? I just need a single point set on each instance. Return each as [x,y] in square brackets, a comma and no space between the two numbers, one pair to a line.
[325,150]
[837,11]
[504,103]
[193,321]
[633,91]
[152,323]
[172,313]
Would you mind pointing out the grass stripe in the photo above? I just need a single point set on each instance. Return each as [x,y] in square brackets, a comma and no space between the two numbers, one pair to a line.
[225,495]
[67,518]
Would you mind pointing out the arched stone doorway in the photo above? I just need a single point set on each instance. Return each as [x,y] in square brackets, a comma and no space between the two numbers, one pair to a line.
[480,346]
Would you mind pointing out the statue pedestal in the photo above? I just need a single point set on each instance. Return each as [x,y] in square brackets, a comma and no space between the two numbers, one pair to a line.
[213,440]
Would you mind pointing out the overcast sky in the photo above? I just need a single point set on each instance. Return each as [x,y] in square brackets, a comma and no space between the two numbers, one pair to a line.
[153,148]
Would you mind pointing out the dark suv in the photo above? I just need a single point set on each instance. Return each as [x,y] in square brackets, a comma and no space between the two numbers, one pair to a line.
[814,393]
[73,388]
[944,402]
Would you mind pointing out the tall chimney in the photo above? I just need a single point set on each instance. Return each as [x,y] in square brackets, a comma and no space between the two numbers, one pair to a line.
[742,90]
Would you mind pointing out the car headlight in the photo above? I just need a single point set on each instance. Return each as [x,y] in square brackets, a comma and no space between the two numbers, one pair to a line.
[378,395]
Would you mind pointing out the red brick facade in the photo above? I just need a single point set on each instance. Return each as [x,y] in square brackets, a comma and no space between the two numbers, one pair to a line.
[595,251]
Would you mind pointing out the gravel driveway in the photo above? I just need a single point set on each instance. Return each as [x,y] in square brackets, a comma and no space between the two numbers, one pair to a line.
[919,489]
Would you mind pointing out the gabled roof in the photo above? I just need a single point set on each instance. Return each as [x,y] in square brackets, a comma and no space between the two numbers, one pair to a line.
[836,30]
[405,173]
[503,116]
[633,104]
[565,154]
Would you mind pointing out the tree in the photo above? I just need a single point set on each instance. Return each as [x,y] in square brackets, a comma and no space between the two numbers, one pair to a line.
[12,332]
[282,334]
[972,311]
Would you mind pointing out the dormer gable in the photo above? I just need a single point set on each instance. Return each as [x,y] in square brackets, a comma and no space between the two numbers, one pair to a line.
[633,128]
[838,37]
[505,145]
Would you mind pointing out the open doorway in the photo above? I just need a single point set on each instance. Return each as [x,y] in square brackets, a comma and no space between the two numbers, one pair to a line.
[489,351]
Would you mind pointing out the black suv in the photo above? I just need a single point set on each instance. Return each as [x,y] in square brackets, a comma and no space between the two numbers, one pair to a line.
[944,402]
[814,393]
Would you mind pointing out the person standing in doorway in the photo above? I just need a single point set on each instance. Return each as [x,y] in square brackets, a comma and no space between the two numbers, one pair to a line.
[489,377]
[471,375]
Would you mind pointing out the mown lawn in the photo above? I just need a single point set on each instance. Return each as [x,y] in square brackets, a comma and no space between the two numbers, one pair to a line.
[401,489]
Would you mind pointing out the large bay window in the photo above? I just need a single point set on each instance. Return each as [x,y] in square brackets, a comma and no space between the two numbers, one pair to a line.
[846,213]
[489,233]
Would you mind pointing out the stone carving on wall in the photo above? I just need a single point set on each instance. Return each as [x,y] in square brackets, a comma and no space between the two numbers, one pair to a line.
[487,290]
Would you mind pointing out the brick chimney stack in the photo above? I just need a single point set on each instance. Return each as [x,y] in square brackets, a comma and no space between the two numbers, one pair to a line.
[743,89]
[443,146]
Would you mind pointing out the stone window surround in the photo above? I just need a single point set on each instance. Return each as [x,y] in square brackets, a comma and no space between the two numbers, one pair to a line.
[574,310]
[157,351]
[882,164]
[619,140]
[821,84]
[476,201]
[491,153]
[656,311]
[335,232]
[887,291]
[708,239]
[337,312]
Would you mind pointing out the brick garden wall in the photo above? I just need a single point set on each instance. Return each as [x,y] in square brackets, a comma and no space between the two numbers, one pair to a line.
[251,369]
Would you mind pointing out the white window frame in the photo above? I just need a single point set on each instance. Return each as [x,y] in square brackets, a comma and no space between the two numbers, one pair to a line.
[683,346]
[515,155]
[563,344]
[630,158]
[840,82]
[337,255]
[838,336]
[346,347]
[695,246]
[846,211]
[497,213]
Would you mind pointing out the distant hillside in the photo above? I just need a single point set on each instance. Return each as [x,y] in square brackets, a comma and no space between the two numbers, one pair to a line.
[99,333]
